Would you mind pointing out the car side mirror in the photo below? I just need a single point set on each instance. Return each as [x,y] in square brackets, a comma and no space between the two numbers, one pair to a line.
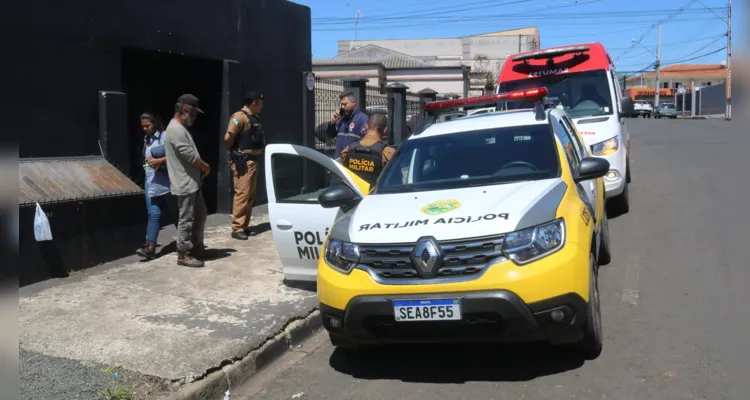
[628,107]
[592,168]
[338,196]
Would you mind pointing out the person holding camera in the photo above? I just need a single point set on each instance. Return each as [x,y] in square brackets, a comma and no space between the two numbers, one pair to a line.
[245,140]
[347,124]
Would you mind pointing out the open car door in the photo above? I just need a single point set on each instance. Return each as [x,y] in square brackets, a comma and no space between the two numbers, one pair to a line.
[295,177]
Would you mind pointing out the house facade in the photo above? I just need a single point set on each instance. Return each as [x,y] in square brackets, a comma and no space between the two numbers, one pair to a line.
[676,76]
[462,66]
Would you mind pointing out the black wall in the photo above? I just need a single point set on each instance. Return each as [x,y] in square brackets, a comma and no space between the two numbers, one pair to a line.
[68,51]
[60,55]
[84,234]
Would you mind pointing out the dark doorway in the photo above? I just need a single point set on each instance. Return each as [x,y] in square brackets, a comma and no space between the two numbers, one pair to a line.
[152,82]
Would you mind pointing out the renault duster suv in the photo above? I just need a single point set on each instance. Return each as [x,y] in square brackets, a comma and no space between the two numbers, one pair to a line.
[483,228]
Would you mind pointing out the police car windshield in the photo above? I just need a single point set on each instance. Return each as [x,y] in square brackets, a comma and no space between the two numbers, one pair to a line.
[473,158]
[581,94]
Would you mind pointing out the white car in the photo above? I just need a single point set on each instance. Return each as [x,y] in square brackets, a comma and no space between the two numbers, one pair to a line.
[300,224]
[484,228]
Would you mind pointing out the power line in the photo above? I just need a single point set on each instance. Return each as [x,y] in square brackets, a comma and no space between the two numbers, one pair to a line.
[696,57]
[680,61]
[443,10]
[679,43]
[381,26]
[704,47]
[680,10]
[620,13]
[473,23]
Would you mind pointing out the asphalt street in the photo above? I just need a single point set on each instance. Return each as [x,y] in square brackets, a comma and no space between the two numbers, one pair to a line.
[674,301]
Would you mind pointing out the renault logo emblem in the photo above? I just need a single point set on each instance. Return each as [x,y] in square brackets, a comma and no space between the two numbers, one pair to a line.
[427,257]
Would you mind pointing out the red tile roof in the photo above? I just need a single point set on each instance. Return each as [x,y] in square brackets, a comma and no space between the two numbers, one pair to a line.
[687,71]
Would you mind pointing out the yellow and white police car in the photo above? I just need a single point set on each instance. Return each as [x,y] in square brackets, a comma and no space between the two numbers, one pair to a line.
[483,228]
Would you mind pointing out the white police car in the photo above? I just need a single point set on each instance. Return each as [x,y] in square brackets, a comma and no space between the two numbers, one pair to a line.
[486,227]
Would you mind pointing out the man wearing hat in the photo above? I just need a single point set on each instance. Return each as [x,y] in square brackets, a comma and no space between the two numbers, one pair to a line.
[186,169]
[245,141]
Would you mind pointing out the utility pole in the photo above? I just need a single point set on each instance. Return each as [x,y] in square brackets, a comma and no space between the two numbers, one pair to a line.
[356,24]
[658,67]
[728,95]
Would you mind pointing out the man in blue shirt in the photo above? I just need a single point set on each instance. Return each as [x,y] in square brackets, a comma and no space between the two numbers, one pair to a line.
[347,123]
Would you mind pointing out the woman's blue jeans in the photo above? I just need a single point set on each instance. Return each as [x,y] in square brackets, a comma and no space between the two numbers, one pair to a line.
[158,207]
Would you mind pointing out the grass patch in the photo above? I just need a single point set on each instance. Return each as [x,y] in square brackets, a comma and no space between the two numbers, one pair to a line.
[116,390]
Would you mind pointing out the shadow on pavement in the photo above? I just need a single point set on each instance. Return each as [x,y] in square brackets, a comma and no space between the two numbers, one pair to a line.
[260,228]
[216,254]
[613,213]
[208,254]
[302,285]
[456,363]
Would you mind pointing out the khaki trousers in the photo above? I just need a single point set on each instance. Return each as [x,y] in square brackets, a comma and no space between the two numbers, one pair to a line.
[244,194]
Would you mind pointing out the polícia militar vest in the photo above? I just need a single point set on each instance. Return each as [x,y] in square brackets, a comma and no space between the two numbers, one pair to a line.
[365,161]
[252,138]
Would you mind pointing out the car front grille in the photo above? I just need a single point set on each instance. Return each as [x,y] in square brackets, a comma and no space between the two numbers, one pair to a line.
[462,258]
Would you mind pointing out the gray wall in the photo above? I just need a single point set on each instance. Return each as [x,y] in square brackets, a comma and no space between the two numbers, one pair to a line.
[709,100]
[712,99]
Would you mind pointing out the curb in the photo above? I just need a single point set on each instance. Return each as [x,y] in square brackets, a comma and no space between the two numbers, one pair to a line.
[214,385]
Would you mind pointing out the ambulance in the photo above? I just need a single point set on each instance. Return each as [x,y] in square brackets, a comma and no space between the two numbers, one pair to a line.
[581,80]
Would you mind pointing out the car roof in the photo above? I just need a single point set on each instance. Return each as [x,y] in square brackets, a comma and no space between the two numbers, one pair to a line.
[490,120]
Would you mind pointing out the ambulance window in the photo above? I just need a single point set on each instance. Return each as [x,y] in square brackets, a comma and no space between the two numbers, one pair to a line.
[298,179]
[616,87]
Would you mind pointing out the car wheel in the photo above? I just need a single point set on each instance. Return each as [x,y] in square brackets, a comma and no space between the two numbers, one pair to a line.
[592,344]
[605,255]
[621,204]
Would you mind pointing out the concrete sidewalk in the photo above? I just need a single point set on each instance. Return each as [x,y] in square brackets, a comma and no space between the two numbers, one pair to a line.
[164,325]
[711,116]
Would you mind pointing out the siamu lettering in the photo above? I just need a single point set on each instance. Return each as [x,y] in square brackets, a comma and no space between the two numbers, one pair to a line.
[549,72]
[453,220]
[308,244]
[361,165]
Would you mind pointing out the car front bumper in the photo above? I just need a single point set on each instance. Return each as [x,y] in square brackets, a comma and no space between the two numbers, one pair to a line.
[505,303]
[614,181]
[487,316]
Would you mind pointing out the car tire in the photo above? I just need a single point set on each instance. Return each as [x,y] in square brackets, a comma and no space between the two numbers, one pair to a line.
[621,204]
[605,254]
[592,344]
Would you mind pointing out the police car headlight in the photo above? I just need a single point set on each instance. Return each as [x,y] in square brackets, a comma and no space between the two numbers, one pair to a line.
[341,255]
[533,243]
[606,147]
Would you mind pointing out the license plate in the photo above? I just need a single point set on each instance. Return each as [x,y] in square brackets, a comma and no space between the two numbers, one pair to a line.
[427,310]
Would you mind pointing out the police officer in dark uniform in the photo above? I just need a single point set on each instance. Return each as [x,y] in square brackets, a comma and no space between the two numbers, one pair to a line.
[368,156]
[245,140]
[347,124]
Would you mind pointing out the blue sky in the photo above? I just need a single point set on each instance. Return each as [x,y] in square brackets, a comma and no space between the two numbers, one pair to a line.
[687,37]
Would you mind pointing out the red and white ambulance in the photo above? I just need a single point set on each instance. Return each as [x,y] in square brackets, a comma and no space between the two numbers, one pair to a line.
[581,79]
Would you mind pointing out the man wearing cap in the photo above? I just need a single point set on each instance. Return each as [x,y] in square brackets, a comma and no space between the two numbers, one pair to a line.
[186,169]
[245,140]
